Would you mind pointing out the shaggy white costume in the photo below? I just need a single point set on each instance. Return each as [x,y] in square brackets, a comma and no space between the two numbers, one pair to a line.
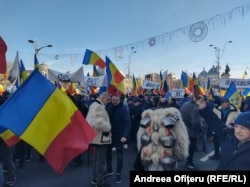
[163,138]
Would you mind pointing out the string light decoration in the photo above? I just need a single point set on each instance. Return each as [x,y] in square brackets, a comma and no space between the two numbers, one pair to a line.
[151,42]
[190,30]
[198,32]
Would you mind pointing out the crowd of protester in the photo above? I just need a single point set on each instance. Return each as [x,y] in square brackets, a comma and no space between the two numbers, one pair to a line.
[117,119]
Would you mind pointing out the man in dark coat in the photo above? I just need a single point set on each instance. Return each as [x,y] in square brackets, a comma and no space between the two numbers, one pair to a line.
[235,142]
[193,121]
[120,130]
[136,118]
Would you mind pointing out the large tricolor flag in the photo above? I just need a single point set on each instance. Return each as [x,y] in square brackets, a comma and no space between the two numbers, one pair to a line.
[48,120]
[92,58]
[8,136]
[115,78]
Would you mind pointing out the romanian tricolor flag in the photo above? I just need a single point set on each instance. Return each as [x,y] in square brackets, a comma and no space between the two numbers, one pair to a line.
[92,89]
[23,72]
[8,136]
[139,87]
[196,87]
[91,58]
[164,86]
[50,122]
[115,78]
[244,75]
[71,88]
[95,72]
[208,84]
[134,87]
[184,79]
[187,82]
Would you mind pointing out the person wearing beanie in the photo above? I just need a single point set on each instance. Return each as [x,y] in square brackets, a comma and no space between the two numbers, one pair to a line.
[226,112]
[235,140]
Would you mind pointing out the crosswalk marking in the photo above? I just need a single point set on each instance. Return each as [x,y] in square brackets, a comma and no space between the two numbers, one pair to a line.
[205,158]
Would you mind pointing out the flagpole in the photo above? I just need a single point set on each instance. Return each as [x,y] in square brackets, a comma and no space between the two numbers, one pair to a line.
[132,50]
[84,83]
[19,76]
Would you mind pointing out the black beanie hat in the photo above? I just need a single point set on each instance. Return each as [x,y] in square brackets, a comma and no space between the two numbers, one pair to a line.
[243,119]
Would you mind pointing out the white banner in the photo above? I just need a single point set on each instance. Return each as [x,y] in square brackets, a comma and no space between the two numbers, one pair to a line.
[77,76]
[151,85]
[177,93]
[96,81]
[239,83]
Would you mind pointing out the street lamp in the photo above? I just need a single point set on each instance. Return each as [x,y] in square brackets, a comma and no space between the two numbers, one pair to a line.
[132,50]
[37,49]
[219,54]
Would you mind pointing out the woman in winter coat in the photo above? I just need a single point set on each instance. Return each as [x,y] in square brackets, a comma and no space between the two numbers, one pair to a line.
[235,141]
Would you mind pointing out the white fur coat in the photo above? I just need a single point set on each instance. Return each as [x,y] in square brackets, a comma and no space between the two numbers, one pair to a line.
[155,151]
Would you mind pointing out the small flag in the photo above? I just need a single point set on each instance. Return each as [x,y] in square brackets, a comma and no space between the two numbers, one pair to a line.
[244,75]
[91,58]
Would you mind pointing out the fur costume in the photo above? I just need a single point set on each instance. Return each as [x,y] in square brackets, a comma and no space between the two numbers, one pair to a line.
[162,139]
[98,118]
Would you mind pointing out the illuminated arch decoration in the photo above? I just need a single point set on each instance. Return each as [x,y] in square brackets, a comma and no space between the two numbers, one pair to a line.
[198,32]
[152,42]
[119,52]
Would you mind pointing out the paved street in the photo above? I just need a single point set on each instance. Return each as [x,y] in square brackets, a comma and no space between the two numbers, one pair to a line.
[40,174]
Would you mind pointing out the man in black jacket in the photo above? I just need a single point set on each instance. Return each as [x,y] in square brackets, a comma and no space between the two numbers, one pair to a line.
[120,129]
[193,121]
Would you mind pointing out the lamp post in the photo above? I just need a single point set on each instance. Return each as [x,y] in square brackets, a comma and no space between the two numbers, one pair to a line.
[43,67]
[219,54]
[132,50]
[37,49]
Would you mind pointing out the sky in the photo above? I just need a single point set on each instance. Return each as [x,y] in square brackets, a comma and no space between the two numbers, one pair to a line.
[139,36]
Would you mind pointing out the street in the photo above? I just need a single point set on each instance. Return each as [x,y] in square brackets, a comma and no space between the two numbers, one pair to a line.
[40,174]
